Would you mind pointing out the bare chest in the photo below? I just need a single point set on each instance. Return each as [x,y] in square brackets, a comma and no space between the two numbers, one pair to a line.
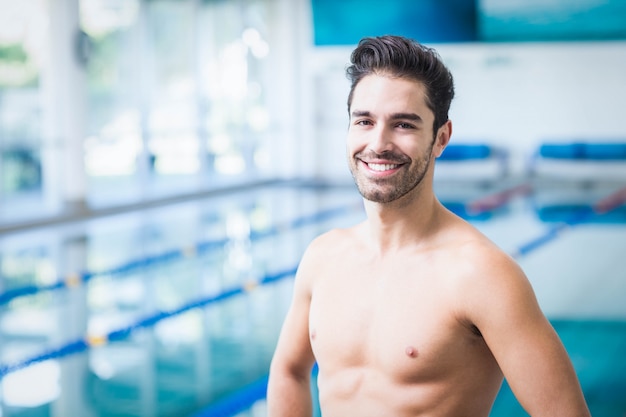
[395,319]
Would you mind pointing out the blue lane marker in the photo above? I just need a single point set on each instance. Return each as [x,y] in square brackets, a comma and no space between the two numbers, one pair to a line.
[584,214]
[120,334]
[578,217]
[176,254]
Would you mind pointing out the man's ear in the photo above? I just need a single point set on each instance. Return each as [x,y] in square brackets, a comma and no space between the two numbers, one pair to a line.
[443,137]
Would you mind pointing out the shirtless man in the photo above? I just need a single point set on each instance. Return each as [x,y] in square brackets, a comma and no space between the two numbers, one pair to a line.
[412,312]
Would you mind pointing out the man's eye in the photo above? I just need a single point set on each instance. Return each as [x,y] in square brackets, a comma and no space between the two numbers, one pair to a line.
[405,126]
[363,122]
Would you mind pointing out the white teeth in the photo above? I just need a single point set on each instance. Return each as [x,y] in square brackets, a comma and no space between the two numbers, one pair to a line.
[382,167]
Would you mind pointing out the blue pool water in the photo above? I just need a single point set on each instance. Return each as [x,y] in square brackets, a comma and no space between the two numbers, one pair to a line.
[174,311]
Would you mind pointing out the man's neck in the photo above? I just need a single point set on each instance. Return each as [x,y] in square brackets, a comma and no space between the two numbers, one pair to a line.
[410,221]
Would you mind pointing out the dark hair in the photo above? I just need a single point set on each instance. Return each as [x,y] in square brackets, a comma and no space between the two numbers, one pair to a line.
[401,57]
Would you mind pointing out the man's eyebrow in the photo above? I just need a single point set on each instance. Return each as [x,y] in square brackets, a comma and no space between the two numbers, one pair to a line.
[395,116]
[360,113]
[406,116]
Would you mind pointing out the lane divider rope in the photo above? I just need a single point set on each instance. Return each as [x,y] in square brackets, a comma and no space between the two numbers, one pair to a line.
[497,199]
[96,340]
[601,207]
[198,249]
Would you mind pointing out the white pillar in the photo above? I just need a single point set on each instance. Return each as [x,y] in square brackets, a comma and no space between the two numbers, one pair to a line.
[291,91]
[72,324]
[63,83]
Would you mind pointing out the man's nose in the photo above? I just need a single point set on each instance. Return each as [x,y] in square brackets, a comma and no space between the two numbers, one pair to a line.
[380,140]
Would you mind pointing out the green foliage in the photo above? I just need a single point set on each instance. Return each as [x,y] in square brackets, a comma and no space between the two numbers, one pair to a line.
[16,67]
[13,53]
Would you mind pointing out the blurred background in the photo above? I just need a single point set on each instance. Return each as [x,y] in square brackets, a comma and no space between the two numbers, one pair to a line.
[164,163]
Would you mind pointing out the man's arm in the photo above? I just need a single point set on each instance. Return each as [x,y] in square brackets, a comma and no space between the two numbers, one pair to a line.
[536,365]
[289,386]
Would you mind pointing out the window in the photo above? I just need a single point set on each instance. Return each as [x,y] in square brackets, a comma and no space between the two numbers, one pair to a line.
[21,36]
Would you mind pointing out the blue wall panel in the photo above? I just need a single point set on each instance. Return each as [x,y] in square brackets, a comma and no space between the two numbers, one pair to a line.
[554,20]
[345,22]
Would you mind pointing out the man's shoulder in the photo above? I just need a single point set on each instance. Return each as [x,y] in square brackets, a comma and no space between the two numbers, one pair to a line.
[480,260]
[325,252]
[474,259]
[323,247]
[334,240]
[479,250]
[480,268]
[465,242]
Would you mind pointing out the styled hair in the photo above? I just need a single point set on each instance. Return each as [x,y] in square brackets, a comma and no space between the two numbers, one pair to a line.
[401,57]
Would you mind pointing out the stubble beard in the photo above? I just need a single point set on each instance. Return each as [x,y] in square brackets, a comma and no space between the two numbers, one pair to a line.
[387,190]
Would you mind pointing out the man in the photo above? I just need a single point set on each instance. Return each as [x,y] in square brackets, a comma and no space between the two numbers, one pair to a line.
[412,312]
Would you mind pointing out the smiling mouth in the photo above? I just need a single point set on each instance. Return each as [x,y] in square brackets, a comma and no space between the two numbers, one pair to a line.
[382,167]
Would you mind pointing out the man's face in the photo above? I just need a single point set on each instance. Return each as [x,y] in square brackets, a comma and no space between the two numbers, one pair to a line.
[390,139]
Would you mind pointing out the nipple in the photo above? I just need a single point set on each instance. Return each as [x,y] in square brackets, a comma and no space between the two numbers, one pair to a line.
[313,334]
[411,352]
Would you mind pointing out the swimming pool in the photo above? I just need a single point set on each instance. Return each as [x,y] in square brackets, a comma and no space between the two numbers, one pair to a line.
[174,311]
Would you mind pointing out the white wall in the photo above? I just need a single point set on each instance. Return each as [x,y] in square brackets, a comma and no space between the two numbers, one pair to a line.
[510,95]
